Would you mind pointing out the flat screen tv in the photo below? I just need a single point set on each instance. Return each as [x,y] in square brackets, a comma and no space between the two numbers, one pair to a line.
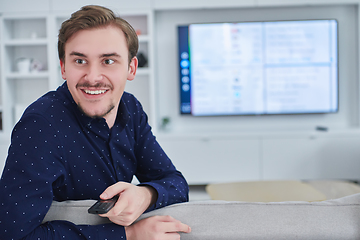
[259,68]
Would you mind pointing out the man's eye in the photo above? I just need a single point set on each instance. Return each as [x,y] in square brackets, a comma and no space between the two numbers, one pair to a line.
[109,61]
[80,61]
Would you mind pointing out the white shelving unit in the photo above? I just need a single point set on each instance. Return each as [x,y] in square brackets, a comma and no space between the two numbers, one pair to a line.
[143,84]
[22,37]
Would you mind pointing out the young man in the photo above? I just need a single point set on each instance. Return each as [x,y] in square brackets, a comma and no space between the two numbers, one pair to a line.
[88,139]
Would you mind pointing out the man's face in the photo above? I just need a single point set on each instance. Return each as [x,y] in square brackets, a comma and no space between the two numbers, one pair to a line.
[96,69]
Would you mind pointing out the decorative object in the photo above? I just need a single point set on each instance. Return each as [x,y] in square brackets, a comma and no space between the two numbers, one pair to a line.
[142,59]
[23,65]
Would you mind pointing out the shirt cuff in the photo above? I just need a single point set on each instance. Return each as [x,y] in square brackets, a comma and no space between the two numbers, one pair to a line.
[161,199]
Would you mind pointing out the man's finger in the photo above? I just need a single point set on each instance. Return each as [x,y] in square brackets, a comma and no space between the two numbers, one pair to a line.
[113,190]
[178,226]
[170,225]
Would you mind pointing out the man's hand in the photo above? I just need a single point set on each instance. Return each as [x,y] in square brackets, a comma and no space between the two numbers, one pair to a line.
[156,227]
[133,201]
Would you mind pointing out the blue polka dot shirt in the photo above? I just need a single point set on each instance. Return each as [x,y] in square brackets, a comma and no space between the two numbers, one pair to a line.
[58,153]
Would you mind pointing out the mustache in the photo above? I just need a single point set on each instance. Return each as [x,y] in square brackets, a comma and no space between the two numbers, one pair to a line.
[96,85]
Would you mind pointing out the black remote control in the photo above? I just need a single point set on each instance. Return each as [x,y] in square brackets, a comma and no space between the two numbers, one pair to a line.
[103,206]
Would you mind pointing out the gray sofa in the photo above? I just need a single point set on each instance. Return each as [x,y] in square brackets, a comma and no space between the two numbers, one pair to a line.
[331,219]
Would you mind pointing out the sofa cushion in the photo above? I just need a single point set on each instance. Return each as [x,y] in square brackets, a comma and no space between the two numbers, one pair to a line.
[331,219]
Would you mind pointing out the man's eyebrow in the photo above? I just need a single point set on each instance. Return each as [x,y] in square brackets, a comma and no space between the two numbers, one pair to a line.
[110,55]
[114,54]
[77,54]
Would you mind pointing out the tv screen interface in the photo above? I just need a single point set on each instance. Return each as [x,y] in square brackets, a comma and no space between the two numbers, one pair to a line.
[256,68]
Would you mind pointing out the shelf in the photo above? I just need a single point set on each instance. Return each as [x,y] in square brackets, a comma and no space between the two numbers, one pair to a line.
[37,52]
[15,28]
[25,42]
[41,74]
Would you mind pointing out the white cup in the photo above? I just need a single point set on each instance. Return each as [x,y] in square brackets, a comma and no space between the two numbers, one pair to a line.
[23,65]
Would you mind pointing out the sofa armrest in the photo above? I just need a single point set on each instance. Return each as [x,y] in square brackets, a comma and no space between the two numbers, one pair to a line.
[333,219]
[75,212]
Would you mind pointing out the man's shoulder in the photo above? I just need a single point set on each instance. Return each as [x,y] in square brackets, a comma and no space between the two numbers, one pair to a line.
[51,102]
[130,101]
[128,97]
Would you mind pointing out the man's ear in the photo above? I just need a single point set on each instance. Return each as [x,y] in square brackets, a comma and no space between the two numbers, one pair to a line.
[132,68]
[62,66]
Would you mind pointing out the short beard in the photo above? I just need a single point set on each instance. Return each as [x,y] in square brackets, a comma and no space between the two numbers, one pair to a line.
[97,85]
[110,108]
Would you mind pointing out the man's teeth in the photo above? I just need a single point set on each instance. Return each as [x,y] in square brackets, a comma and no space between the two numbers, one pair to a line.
[94,92]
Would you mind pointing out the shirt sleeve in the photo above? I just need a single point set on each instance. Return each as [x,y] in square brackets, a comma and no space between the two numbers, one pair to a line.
[33,169]
[155,168]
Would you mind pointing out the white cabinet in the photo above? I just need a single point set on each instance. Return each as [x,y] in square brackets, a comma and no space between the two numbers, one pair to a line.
[311,157]
[203,159]
[272,156]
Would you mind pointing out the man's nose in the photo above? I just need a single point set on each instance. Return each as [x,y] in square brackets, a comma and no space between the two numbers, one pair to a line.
[94,73]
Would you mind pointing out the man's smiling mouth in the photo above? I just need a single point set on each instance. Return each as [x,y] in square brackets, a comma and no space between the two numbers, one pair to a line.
[94,92]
